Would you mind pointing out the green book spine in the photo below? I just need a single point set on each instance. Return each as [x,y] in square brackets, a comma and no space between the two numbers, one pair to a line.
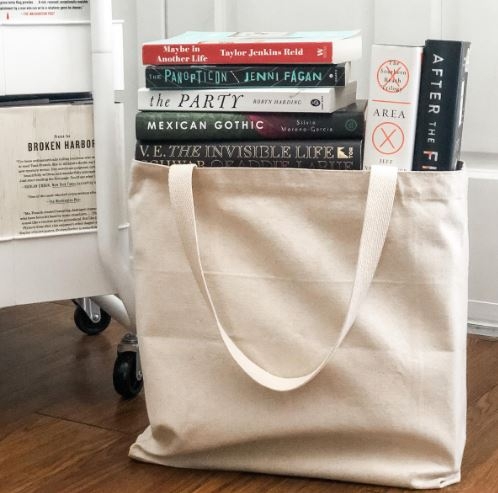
[166,126]
[226,76]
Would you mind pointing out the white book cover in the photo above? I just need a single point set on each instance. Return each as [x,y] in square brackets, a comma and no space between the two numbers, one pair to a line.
[391,116]
[291,100]
[47,170]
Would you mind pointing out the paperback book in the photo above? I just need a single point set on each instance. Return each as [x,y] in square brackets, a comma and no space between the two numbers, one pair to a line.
[222,76]
[325,154]
[301,100]
[345,123]
[441,105]
[392,107]
[47,170]
[253,48]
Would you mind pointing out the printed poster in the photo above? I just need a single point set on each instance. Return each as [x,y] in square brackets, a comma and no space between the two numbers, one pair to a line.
[39,11]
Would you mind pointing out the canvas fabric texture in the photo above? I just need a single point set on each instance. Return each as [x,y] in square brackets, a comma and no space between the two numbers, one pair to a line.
[265,264]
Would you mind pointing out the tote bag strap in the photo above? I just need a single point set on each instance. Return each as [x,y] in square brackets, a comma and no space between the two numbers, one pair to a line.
[379,203]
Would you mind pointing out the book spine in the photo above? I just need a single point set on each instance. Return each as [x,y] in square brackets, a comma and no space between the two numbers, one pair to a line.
[342,155]
[288,52]
[392,107]
[302,100]
[221,76]
[348,123]
[441,105]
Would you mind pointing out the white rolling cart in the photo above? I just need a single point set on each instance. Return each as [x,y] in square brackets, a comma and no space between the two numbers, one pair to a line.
[93,268]
[112,235]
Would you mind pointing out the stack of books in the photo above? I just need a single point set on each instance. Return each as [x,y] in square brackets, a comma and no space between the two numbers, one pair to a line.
[252,99]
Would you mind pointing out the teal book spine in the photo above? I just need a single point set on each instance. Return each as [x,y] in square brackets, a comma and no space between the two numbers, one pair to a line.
[226,76]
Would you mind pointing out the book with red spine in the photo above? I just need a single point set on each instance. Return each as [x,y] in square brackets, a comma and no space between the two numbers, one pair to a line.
[211,48]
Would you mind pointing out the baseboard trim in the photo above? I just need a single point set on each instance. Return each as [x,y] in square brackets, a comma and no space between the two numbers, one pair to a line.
[483,318]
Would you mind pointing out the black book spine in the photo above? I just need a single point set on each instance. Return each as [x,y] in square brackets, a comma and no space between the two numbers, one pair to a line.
[221,76]
[441,105]
[326,154]
[346,123]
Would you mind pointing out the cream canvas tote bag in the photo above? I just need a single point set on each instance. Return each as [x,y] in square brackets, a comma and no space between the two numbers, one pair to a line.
[303,322]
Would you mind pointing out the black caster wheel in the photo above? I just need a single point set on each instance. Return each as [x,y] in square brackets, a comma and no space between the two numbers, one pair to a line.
[88,326]
[125,379]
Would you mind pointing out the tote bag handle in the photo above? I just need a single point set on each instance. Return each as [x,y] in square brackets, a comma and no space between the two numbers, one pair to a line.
[379,203]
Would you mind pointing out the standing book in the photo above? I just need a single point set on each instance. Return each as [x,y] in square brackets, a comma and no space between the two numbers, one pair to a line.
[392,107]
[441,105]
[210,48]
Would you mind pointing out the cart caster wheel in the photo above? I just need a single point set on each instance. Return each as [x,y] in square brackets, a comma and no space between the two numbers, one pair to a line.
[126,381]
[88,326]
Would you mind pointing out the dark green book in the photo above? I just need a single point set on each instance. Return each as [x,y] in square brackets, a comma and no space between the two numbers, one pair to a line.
[346,123]
[317,154]
[441,105]
[225,76]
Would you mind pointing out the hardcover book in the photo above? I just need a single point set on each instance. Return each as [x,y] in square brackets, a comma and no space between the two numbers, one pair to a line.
[345,123]
[392,107]
[319,154]
[278,99]
[221,76]
[194,47]
[40,99]
[441,105]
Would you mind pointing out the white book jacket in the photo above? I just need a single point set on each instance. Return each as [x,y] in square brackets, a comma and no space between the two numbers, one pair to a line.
[392,105]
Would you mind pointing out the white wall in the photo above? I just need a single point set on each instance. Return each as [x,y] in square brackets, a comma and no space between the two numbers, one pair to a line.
[189,15]
[483,232]
[144,20]
[475,20]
